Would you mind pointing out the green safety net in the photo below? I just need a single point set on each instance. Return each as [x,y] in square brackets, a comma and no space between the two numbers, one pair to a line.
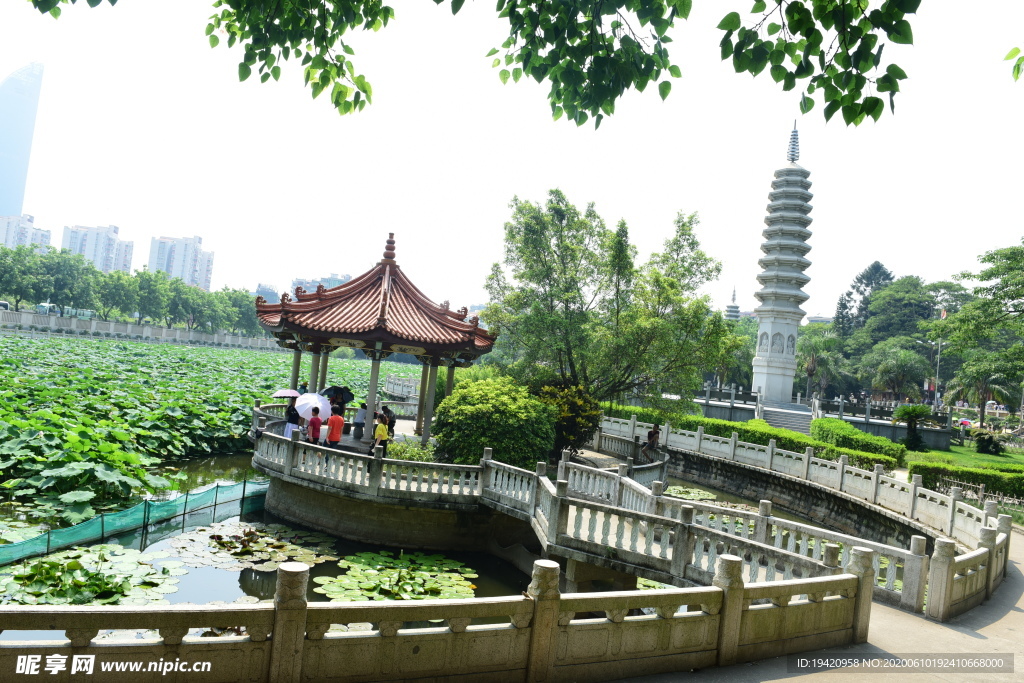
[200,507]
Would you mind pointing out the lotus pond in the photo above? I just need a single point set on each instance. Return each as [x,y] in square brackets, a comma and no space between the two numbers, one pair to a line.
[85,423]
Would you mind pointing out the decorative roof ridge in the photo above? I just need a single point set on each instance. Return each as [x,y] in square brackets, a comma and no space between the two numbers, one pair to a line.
[308,303]
[385,294]
[436,311]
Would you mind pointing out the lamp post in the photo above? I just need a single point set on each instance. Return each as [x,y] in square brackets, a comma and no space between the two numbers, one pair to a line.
[938,360]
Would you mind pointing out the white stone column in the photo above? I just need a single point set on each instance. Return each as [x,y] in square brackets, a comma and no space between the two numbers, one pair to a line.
[421,399]
[314,371]
[371,394]
[289,622]
[296,366]
[428,406]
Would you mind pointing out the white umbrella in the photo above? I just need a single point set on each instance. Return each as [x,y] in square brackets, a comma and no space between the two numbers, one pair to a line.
[285,393]
[305,404]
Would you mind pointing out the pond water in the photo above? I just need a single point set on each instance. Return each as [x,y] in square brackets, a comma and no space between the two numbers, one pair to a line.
[725,497]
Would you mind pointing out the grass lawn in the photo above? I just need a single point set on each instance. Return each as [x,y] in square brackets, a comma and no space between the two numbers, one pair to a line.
[965,456]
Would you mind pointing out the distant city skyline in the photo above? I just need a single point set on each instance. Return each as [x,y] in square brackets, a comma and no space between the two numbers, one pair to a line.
[182,257]
[101,245]
[19,102]
[21,230]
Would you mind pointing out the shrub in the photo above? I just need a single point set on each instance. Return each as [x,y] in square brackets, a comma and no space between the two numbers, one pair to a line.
[1008,483]
[411,450]
[760,432]
[496,414]
[578,415]
[987,442]
[844,435]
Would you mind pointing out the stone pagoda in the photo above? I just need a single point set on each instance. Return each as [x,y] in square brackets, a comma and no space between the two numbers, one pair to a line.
[782,279]
[732,311]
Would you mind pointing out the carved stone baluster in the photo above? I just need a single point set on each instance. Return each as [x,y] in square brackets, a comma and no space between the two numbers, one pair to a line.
[81,637]
[172,635]
[458,624]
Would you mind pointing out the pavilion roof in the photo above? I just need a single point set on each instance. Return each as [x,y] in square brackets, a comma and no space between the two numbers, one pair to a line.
[381,305]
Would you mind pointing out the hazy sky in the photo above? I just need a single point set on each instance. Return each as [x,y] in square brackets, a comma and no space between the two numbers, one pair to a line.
[143,126]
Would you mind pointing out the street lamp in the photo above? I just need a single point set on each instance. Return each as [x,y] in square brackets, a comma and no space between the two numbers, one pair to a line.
[938,359]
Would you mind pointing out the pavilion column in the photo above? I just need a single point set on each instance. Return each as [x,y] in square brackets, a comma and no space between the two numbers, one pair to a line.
[428,411]
[296,366]
[422,399]
[371,393]
[314,372]
[450,381]
[322,380]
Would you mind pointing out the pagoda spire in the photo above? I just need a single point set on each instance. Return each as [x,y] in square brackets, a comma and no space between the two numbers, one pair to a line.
[782,278]
[794,145]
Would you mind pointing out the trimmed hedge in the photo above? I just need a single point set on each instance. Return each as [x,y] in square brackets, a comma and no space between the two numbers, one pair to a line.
[756,431]
[1008,483]
[843,434]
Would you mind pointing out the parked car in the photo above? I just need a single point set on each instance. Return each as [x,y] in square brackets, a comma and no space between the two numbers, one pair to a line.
[4,306]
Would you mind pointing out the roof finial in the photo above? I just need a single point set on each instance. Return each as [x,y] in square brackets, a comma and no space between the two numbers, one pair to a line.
[734,294]
[389,248]
[794,145]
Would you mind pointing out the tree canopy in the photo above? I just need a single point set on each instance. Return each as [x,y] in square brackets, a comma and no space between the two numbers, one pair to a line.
[592,51]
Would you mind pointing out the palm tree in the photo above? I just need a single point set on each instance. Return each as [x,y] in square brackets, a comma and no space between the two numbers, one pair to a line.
[898,370]
[812,350]
[979,380]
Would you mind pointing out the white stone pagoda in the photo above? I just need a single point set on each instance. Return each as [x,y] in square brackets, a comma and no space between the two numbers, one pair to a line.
[782,279]
[732,311]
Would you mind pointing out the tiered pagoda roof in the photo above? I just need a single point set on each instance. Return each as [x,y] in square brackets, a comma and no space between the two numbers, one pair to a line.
[381,305]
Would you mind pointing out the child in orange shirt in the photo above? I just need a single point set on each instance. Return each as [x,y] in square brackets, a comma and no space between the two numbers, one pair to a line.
[335,425]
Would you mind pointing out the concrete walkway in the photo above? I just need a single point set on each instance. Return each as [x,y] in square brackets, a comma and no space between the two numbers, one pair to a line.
[994,628]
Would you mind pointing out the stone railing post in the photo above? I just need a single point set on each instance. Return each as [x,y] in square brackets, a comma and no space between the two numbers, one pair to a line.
[376,474]
[763,525]
[597,440]
[700,438]
[916,482]
[291,455]
[684,542]
[831,557]
[867,410]
[289,633]
[632,426]
[629,467]
[770,454]
[636,449]
[623,473]
[487,473]
[991,511]
[956,494]
[541,473]
[561,473]
[876,479]
[558,516]
[1004,525]
[733,440]
[543,591]
[842,470]
[808,454]
[255,409]
[729,577]
[987,539]
[915,575]
[841,404]
[861,565]
[663,474]
[732,398]
[940,579]
[654,503]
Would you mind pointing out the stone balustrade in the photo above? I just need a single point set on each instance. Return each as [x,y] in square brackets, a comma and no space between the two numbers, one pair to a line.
[543,635]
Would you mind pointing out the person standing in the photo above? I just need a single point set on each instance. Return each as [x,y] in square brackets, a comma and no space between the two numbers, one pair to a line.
[380,434]
[291,418]
[390,415]
[335,427]
[359,422]
[313,432]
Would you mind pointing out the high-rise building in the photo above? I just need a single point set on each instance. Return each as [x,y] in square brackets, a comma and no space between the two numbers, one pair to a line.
[101,245]
[332,281]
[182,257]
[22,230]
[19,100]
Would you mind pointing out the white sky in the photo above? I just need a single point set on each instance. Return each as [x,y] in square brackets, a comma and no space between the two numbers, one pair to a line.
[143,126]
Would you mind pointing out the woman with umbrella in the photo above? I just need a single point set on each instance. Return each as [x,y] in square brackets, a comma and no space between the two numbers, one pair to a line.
[292,419]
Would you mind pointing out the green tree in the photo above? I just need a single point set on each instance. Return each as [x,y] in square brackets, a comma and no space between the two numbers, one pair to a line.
[21,276]
[69,279]
[842,321]
[897,309]
[869,280]
[577,313]
[979,380]
[242,315]
[897,370]
[998,303]
[154,294]
[591,52]
[577,416]
[117,291]
[815,343]
[912,415]
[497,414]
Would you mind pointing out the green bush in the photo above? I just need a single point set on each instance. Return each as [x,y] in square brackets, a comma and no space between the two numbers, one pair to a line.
[760,432]
[987,442]
[578,415]
[1008,483]
[496,414]
[844,435]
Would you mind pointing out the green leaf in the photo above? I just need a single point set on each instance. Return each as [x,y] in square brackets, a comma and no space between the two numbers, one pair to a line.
[493,52]
[664,88]
[730,22]
[896,72]
[831,108]
[1012,53]
[778,73]
[758,7]
[873,107]
[76,497]
[683,8]
[674,70]
[806,103]
[503,75]
[457,5]
[244,71]
[901,33]
[773,28]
